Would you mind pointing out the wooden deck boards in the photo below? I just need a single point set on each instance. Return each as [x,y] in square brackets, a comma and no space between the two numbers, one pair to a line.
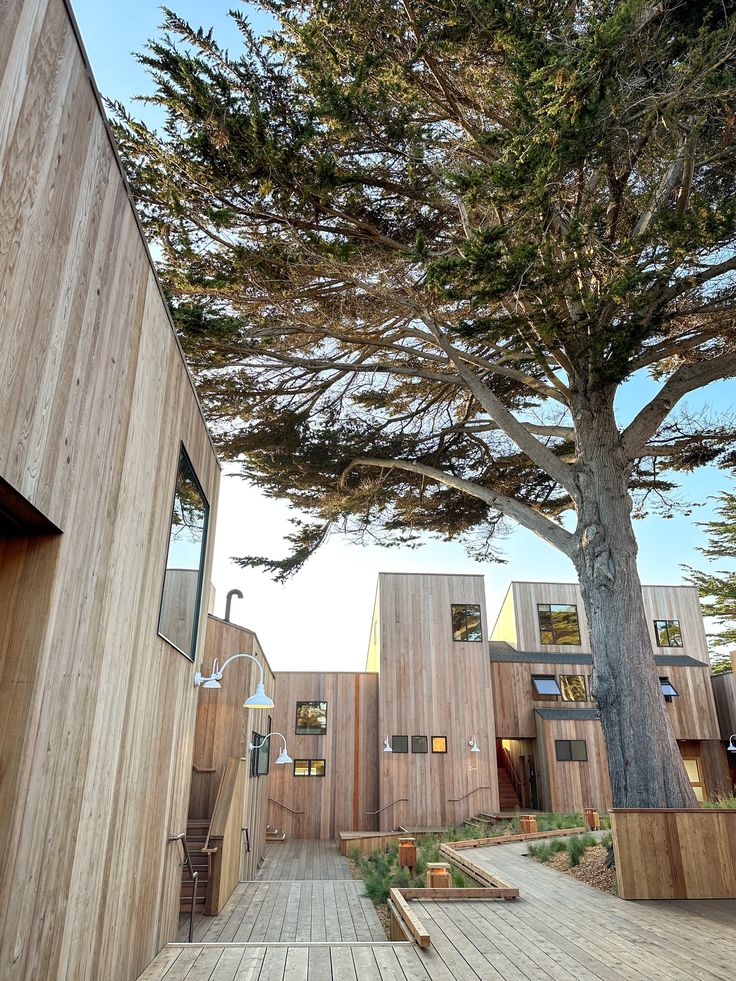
[559,929]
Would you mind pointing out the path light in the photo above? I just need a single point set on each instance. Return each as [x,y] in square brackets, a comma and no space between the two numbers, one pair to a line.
[473,743]
[731,744]
[387,746]
[258,700]
[283,756]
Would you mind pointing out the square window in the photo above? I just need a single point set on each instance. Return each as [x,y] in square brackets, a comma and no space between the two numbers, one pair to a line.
[668,633]
[400,744]
[545,687]
[466,623]
[419,744]
[311,718]
[558,624]
[578,750]
[317,768]
[572,688]
[439,744]
[563,750]
[301,768]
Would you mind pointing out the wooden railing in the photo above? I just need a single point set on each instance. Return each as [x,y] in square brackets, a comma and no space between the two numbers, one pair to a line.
[224,837]
[194,876]
[285,806]
[456,800]
[399,800]
[513,775]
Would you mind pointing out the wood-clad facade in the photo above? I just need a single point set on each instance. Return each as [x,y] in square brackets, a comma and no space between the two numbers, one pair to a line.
[345,798]
[95,405]
[223,733]
[520,653]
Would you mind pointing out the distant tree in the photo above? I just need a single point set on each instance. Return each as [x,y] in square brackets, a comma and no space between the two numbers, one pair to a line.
[415,248]
[718,586]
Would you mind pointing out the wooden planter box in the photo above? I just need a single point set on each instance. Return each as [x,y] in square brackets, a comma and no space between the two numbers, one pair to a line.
[675,854]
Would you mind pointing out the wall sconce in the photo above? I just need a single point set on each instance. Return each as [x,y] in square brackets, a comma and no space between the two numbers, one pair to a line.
[731,744]
[283,756]
[473,743]
[387,745]
[259,699]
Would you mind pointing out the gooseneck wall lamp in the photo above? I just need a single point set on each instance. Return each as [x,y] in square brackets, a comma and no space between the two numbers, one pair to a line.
[473,743]
[387,746]
[731,744]
[258,700]
[283,756]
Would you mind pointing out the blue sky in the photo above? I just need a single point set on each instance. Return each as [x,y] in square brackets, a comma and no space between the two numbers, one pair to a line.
[321,618]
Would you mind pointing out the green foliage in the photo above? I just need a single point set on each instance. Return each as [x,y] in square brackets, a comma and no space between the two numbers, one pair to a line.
[556,822]
[544,850]
[576,847]
[717,587]
[717,802]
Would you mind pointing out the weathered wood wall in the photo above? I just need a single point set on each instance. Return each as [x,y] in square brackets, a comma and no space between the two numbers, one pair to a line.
[431,685]
[572,785]
[95,400]
[343,798]
[223,731]
[675,854]
[724,692]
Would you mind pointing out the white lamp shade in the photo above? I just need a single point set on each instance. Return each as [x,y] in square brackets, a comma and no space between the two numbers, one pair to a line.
[387,746]
[474,748]
[731,745]
[284,757]
[259,700]
[211,683]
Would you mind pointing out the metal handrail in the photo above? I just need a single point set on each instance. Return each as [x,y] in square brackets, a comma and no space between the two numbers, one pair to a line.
[398,800]
[194,876]
[455,800]
[285,806]
[511,770]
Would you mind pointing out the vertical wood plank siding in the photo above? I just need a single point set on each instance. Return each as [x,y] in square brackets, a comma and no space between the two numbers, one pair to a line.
[95,400]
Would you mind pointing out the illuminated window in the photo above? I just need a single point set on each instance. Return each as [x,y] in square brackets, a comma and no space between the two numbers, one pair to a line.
[558,624]
[419,744]
[695,776]
[466,623]
[572,688]
[309,768]
[439,744]
[311,718]
[668,633]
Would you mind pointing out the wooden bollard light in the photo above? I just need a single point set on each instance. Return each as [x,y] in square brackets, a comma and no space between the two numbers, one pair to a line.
[592,819]
[528,824]
[408,853]
[438,875]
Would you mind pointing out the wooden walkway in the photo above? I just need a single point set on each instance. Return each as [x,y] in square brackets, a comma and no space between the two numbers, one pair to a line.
[294,860]
[559,929]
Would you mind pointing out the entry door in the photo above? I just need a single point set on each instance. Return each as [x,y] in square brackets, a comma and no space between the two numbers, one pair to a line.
[694,768]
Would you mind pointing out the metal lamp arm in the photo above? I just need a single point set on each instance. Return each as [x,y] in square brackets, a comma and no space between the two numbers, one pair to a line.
[217,671]
[253,745]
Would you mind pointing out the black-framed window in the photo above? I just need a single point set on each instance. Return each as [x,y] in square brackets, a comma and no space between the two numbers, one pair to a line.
[182,589]
[545,687]
[572,688]
[439,744]
[571,750]
[668,633]
[466,624]
[259,757]
[668,689]
[558,624]
[311,718]
[400,744]
[309,768]
[419,744]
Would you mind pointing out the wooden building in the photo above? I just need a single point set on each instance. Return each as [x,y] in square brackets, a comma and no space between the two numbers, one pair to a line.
[108,490]
[546,718]
[724,692]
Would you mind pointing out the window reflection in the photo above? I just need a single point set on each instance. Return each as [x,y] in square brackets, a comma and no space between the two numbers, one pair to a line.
[558,623]
[466,622]
[183,577]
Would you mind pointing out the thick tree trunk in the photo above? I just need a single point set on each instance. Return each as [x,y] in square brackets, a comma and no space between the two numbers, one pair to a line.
[644,761]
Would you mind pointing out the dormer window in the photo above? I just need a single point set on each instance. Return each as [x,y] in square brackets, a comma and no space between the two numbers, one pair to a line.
[545,687]
[668,689]
[558,624]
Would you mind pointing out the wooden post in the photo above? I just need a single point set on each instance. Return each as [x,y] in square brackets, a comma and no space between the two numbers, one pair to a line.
[408,853]
[528,824]
[438,875]
[592,819]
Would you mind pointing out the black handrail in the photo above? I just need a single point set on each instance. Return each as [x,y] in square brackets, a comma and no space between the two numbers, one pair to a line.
[194,876]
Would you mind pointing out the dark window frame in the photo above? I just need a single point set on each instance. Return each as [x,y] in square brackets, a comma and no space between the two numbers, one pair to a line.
[309,761]
[563,747]
[405,744]
[191,656]
[562,693]
[664,682]
[464,628]
[555,642]
[545,696]
[667,628]
[439,751]
[309,701]
[426,744]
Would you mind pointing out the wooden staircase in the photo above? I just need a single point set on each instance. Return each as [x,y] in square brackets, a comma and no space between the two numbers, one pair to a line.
[196,838]
[508,798]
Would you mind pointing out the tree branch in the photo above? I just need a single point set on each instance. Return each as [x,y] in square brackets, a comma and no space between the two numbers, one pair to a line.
[550,532]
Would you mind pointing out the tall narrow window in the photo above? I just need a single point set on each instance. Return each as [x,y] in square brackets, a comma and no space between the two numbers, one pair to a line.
[668,633]
[182,590]
[466,623]
[311,718]
[558,624]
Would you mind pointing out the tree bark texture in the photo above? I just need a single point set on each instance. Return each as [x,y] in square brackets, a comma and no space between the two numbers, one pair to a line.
[644,761]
